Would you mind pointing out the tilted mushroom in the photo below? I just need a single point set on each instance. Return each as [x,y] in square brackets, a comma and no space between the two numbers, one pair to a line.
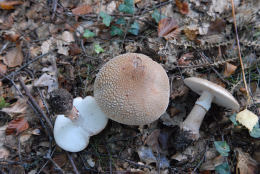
[132,89]
[72,133]
[209,92]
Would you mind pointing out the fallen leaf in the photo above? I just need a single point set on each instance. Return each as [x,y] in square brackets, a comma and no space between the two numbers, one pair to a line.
[152,140]
[246,164]
[17,126]
[13,37]
[182,6]
[3,68]
[9,5]
[47,80]
[247,119]
[212,163]
[229,69]
[185,59]
[4,153]
[166,26]
[82,9]
[191,34]
[67,37]
[217,26]
[19,107]
[74,49]
[14,57]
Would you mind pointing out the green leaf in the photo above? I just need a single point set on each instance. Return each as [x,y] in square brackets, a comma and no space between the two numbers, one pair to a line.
[116,31]
[87,34]
[233,119]
[98,48]
[223,168]
[134,28]
[222,147]
[255,131]
[3,104]
[157,16]
[107,19]
[121,21]
[127,7]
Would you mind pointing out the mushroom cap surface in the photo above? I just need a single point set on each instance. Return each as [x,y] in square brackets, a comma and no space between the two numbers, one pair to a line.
[73,136]
[221,96]
[132,89]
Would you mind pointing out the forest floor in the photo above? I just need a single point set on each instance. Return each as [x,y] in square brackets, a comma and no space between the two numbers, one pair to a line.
[50,44]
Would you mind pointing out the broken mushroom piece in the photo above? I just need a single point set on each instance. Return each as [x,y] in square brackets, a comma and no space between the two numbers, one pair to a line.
[132,89]
[72,133]
[209,92]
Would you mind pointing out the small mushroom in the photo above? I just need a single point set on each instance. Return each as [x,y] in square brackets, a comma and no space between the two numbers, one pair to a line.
[72,133]
[132,89]
[209,92]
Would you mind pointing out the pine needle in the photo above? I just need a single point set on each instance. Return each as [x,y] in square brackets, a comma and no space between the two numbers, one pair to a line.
[239,52]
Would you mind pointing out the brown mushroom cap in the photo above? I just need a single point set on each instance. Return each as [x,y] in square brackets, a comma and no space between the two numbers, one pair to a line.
[132,89]
[220,95]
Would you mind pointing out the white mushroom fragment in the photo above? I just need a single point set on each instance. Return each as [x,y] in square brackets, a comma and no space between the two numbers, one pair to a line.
[73,134]
[132,89]
[209,92]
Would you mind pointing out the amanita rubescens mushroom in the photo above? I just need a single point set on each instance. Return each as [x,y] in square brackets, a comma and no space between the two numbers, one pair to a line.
[132,89]
[72,133]
[209,92]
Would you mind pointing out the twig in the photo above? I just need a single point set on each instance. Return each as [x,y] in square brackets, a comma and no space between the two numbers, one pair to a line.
[25,65]
[72,163]
[37,107]
[239,52]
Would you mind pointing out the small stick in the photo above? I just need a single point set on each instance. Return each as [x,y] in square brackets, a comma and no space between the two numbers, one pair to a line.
[37,107]
[239,52]
[72,163]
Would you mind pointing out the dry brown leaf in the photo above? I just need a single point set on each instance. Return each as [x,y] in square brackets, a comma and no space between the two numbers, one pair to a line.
[3,68]
[152,140]
[191,34]
[185,59]
[17,126]
[14,57]
[166,26]
[246,164]
[9,5]
[18,107]
[247,119]
[74,49]
[217,26]
[229,69]
[182,6]
[82,9]
[12,37]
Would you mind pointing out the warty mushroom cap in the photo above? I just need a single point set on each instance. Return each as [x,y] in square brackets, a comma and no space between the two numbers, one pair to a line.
[220,95]
[132,89]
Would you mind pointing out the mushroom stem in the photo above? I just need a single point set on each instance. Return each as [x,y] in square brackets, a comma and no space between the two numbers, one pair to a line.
[194,119]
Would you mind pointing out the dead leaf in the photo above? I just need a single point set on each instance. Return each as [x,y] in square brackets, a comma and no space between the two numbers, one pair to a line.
[246,164]
[82,9]
[19,107]
[47,80]
[185,59]
[67,37]
[74,49]
[182,6]
[191,34]
[17,126]
[13,37]
[217,26]
[166,26]
[14,57]
[212,163]
[9,5]
[4,153]
[152,140]
[229,69]
[3,68]
[175,34]
[247,119]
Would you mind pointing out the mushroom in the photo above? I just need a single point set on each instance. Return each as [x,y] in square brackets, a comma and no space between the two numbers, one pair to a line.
[209,92]
[132,89]
[72,133]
